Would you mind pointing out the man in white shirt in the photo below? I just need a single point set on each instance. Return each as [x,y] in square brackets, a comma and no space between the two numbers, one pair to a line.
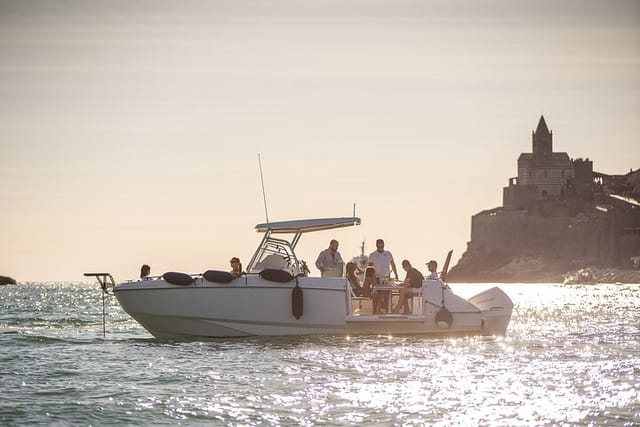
[330,262]
[381,260]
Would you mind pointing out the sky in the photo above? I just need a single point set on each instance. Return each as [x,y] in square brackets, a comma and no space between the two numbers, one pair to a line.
[130,130]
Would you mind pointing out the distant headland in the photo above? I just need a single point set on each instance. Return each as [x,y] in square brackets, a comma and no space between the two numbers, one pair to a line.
[559,217]
[5,280]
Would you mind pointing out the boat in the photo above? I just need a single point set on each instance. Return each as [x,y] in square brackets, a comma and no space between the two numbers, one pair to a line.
[277,296]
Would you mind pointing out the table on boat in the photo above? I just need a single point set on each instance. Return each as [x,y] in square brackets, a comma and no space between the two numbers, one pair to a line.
[392,292]
[390,289]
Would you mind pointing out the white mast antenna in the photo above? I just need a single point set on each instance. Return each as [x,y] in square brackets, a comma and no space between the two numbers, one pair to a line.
[264,196]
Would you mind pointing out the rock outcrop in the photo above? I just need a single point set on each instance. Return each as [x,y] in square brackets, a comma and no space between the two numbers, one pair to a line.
[5,280]
[558,216]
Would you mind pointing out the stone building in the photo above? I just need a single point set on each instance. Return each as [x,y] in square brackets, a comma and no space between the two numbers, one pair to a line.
[558,214]
[544,174]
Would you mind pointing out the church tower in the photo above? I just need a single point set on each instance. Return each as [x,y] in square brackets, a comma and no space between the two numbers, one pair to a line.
[542,143]
[542,174]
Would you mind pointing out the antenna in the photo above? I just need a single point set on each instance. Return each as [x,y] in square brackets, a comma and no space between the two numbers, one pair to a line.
[264,196]
[354,210]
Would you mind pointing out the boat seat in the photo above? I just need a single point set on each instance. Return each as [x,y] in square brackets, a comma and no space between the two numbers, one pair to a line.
[415,302]
[360,305]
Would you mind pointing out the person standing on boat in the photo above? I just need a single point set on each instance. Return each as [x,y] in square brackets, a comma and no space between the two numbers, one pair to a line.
[411,287]
[381,260]
[330,261]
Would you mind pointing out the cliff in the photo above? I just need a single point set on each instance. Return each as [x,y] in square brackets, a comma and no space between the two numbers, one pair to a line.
[557,220]
[547,243]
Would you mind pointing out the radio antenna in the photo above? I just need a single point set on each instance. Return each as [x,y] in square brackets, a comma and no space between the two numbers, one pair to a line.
[264,196]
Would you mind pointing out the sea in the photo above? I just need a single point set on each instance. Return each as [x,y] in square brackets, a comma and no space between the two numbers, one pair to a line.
[571,357]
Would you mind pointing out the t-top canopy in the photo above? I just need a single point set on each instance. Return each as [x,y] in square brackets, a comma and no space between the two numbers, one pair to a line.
[307,225]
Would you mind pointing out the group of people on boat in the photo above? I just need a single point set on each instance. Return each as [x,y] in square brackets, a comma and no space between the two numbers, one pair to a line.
[377,276]
[376,283]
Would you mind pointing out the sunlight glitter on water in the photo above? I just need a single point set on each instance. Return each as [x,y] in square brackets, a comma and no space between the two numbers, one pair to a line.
[571,355]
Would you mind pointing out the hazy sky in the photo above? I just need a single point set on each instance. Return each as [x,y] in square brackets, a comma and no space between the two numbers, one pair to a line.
[130,130]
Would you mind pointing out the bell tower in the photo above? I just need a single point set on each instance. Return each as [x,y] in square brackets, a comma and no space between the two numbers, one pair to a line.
[542,142]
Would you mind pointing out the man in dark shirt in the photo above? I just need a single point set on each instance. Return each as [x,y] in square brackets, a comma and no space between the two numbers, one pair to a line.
[412,286]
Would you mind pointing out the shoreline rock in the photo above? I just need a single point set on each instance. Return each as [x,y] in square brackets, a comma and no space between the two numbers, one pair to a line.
[6,280]
[535,270]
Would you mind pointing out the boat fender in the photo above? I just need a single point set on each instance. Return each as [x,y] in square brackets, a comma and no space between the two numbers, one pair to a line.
[444,318]
[218,276]
[275,275]
[296,301]
[175,278]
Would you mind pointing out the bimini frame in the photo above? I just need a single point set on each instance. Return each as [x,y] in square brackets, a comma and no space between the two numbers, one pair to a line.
[272,245]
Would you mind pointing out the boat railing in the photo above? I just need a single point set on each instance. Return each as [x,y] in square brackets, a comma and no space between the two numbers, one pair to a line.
[279,254]
[106,281]
[107,284]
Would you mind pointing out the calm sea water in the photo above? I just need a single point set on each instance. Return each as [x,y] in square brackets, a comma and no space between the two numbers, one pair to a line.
[571,357]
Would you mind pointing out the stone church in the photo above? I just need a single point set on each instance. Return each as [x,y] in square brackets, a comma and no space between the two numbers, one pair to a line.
[558,215]
[544,174]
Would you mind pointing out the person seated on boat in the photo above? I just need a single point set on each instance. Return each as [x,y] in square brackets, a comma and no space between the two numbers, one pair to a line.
[432,266]
[356,287]
[236,267]
[369,281]
[145,272]
[330,261]
[411,287]
[379,296]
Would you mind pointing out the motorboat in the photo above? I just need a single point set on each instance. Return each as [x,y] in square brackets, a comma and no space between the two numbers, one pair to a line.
[278,296]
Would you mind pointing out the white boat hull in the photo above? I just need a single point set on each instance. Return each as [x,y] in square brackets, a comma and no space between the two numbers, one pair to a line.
[253,306]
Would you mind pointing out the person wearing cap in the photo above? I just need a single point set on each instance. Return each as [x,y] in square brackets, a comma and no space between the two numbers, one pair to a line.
[432,266]
[236,267]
